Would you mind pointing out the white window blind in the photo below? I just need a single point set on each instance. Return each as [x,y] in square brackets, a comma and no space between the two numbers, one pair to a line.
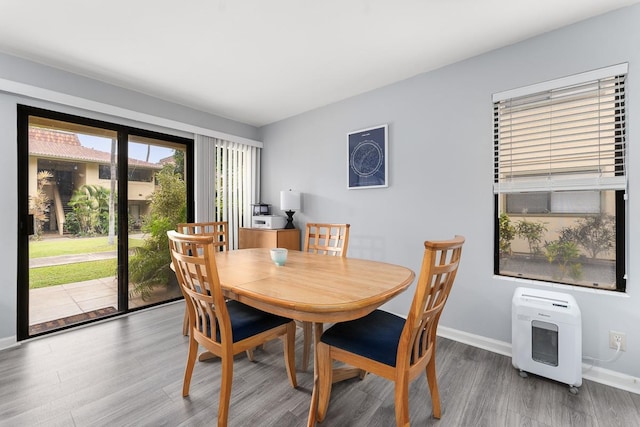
[227,178]
[564,135]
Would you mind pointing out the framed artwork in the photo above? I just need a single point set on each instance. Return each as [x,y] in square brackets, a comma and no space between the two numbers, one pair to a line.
[367,153]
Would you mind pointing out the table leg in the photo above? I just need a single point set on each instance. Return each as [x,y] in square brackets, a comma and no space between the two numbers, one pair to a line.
[313,410]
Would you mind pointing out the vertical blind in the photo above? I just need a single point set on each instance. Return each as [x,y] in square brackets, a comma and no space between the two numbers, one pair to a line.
[227,182]
[567,134]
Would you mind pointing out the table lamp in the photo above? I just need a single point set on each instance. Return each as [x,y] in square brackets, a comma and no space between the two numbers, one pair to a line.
[289,203]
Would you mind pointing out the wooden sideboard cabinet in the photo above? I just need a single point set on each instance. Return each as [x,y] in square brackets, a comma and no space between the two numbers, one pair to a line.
[265,238]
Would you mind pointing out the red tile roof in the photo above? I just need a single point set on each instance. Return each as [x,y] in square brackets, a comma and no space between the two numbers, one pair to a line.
[167,160]
[66,145]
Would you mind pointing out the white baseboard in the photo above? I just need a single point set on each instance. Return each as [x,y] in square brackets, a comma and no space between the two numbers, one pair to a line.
[495,346]
[596,374]
[8,342]
[612,378]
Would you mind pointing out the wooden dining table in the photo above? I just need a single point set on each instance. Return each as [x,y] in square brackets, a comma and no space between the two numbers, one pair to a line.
[310,287]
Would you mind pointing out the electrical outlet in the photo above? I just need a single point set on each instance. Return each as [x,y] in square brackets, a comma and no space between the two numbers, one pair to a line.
[618,337]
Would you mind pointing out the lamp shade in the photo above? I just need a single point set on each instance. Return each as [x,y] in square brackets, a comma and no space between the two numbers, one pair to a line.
[289,200]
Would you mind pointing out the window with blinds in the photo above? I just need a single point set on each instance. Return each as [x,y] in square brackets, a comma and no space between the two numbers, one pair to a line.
[560,174]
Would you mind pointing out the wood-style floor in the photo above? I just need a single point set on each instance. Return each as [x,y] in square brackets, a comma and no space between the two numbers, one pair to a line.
[128,372]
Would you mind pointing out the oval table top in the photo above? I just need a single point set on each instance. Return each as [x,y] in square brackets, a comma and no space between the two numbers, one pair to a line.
[310,287]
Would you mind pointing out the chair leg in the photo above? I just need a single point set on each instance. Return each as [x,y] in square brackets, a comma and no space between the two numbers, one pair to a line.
[185,323]
[191,361]
[226,382]
[306,345]
[290,354]
[250,354]
[402,401]
[433,387]
[325,378]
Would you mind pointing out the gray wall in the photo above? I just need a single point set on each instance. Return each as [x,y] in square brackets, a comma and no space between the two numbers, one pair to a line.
[16,70]
[440,174]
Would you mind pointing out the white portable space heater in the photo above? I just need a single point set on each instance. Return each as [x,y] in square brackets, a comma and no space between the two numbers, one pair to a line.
[546,336]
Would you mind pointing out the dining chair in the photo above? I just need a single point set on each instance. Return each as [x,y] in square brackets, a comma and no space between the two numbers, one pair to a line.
[326,239]
[223,327]
[219,231]
[390,346]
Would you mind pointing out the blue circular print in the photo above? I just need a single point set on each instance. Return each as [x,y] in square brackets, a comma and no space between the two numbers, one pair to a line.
[366,158]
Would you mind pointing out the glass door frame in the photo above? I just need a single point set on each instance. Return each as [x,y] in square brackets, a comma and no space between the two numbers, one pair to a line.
[25,223]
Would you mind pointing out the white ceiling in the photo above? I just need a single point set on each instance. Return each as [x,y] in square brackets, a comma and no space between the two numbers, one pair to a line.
[260,61]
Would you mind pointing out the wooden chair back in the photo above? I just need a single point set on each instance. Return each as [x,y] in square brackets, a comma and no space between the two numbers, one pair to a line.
[194,263]
[219,230]
[438,271]
[328,239]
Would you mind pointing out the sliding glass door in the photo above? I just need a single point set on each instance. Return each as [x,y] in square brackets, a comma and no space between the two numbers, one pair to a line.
[151,215]
[95,202]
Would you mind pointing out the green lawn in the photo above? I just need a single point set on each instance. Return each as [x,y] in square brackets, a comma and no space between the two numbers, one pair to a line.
[70,273]
[43,277]
[74,245]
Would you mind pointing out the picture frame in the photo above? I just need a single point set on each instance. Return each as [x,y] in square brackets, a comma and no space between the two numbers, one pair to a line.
[367,154]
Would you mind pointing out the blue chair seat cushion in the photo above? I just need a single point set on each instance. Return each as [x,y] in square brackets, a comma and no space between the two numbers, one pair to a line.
[375,336]
[247,321]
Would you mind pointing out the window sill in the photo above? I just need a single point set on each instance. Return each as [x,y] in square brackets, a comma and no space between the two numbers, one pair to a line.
[561,287]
